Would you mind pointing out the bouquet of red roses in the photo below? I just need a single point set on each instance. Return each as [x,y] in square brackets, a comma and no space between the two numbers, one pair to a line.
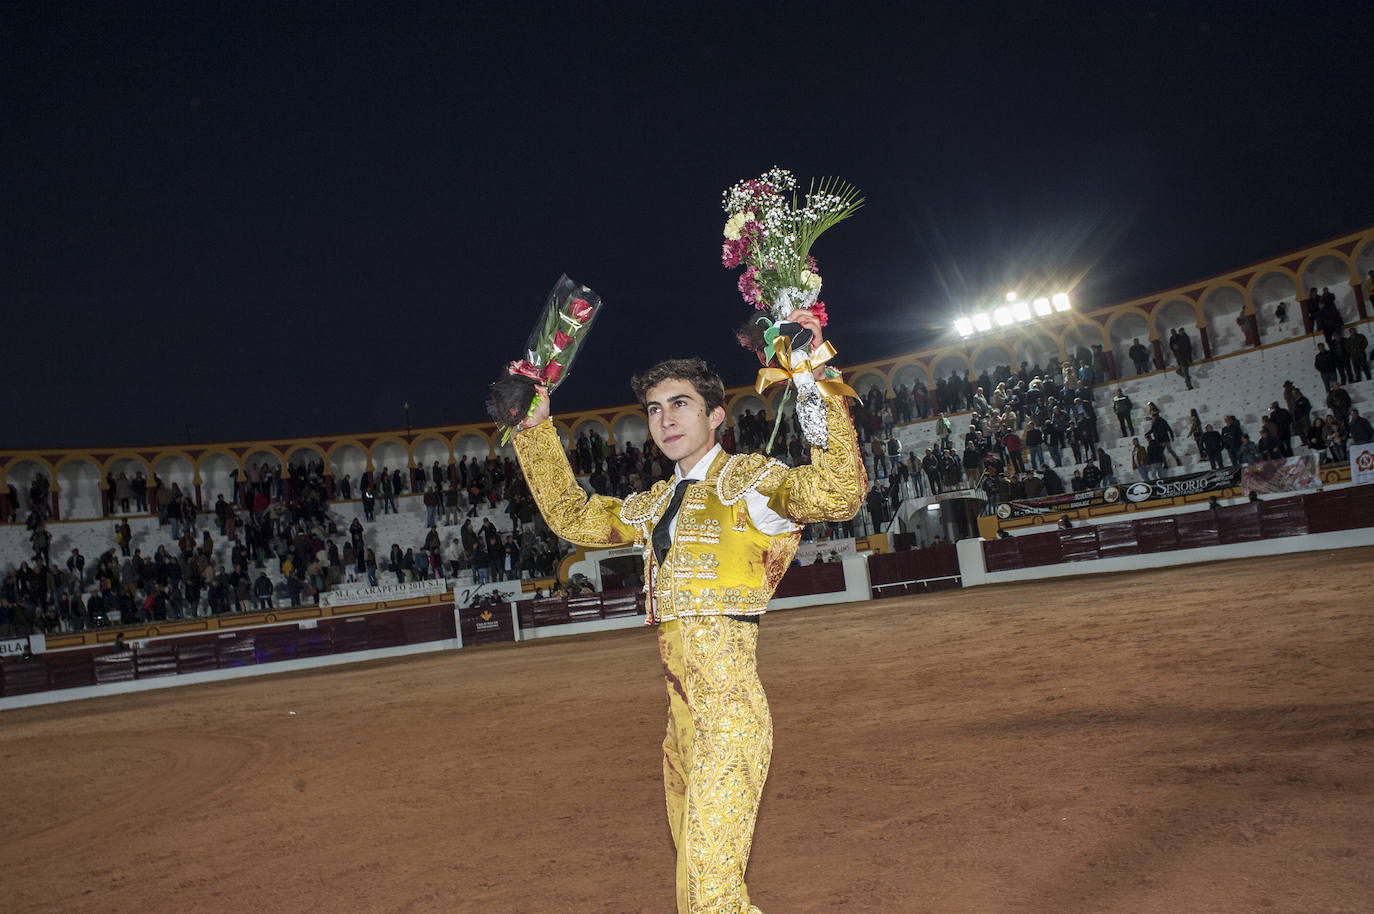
[552,346]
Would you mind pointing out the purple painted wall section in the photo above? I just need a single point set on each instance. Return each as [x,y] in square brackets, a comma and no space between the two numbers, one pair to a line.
[223,650]
[912,571]
[1317,512]
[610,604]
[827,577]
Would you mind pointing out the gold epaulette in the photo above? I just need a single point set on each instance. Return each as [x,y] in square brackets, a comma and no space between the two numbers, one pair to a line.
[745,472]
[642,507]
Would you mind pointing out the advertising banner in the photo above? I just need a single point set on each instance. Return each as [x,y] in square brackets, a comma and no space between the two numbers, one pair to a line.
[1361,463]
[1191,484]
[486,624]
[381,592]
[807,552]
[1058,504]
[1291,474]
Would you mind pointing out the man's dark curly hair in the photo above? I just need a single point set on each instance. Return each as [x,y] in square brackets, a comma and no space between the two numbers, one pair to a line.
[694,371]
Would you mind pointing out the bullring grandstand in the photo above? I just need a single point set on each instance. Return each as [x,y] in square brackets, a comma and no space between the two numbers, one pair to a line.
[308,563]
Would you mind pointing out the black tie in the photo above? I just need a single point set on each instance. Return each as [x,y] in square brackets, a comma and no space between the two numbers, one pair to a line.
[663,537]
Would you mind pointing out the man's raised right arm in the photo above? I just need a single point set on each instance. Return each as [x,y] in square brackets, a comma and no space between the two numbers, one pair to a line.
[568,510]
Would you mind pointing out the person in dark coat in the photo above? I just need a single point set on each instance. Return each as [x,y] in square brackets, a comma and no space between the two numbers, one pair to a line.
[1282,421]
[1211,444]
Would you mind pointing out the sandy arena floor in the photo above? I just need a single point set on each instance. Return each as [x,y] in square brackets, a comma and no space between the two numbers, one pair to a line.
[1182,741]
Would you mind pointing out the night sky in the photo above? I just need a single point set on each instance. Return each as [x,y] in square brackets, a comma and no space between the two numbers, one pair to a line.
[289,220]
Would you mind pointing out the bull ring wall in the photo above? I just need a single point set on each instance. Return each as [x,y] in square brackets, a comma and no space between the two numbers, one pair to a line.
[1340,517]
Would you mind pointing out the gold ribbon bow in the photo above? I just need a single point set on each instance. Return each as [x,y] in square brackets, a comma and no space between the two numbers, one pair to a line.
[802,363]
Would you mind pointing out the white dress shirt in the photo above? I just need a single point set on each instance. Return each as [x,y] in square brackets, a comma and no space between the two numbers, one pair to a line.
[765,518]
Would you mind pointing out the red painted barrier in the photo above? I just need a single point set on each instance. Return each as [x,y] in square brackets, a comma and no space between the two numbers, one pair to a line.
[609,604]
[1315,512]
[914,571]
[802,580]
[224,650]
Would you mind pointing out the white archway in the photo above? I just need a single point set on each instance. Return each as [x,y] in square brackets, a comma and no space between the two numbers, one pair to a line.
[1220,309]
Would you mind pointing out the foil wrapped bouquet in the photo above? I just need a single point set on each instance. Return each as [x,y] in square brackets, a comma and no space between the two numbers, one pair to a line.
[549,352]
[769,233]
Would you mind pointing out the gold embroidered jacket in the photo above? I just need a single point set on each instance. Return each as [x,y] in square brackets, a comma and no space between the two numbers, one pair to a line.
[719,562]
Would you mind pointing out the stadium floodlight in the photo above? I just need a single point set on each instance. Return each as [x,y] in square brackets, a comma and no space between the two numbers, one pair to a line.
[964,326]
[1061,301]
[1002,316]
[1021,311]
[981,322]
[1042,307]
[1011,296]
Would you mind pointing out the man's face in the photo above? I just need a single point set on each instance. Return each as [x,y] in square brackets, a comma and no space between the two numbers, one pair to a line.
[679,422]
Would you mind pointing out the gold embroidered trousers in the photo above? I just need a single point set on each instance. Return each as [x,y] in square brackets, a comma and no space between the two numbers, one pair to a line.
[715,757]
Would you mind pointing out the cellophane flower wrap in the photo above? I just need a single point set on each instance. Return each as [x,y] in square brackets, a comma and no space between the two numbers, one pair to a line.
[550,349]
[768,236]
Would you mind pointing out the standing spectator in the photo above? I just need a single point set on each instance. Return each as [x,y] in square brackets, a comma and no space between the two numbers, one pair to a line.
[123,492]
[1357,354]
[942,432]
[388,486]
[1182,347]
[1106,467]
[1101,367]
[1092,476]
[1011,442]
[1212,446]
[1232,438]
[1154,457]
[931,464]
[1195,431]
[140,490]
[878,458]
[1163,433]
[369,503]
[41,541]
[1329,320]
[1035,444]
[1121,405]
[221,513]
[451,505]
[1338,401]
[1140,356]
[431,501]
[1325,363]
[1282,420]
[262,589]
[1360,429]
[76,569]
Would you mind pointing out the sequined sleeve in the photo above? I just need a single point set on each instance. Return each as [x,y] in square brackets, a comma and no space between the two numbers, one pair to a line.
[569,511]
[832,486]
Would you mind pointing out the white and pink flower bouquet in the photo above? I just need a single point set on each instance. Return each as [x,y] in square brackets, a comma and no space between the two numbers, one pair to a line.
[769,233]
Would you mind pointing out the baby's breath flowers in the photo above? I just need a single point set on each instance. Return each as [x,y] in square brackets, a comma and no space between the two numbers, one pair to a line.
[770,235]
